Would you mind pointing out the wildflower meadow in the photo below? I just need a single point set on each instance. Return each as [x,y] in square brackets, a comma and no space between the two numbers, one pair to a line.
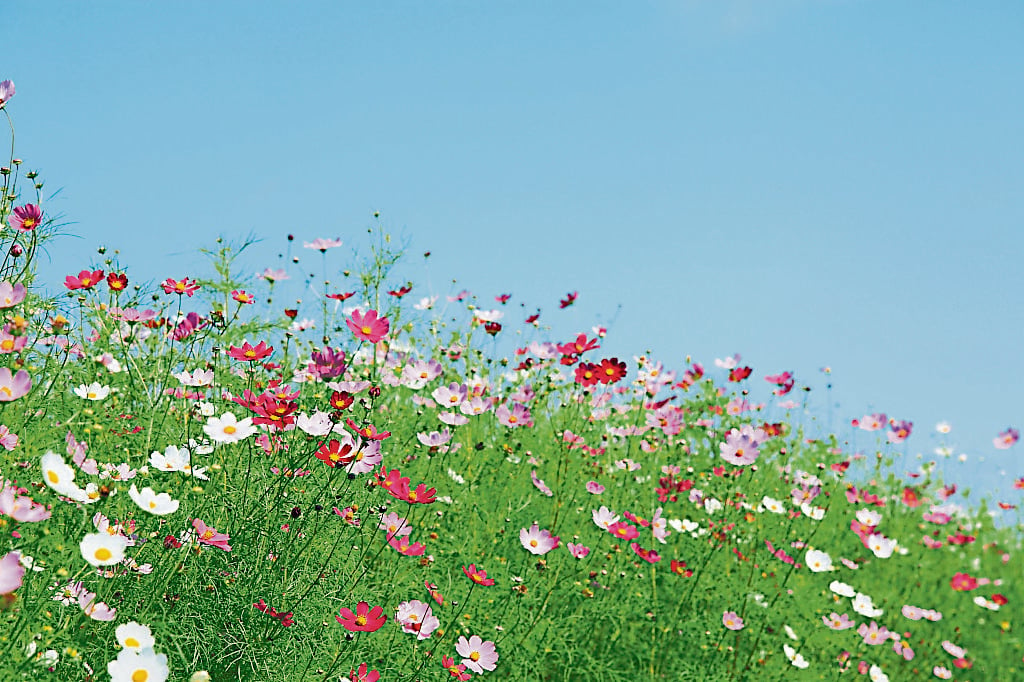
[199,483]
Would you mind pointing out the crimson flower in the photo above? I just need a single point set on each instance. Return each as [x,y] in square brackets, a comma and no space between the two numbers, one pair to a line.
[185,286]
[243,297]
[117,281]
[341,400]
[648,555]
[405,546]
[679,568]
[362,675]
[623,530]
[250,353]
[364,619]
[456,670]
[492,328]
[532,319]
[579,346]
[399,293]
[342,297]
[85,280]
[420,495]
[568,300]
[503,299]
[25,218]
[394,483]
[477,575]
[368,327]
[739,374]
[611,371]
[285,618]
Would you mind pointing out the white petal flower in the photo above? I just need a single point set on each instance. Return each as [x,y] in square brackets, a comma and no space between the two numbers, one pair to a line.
[94,391]
[102,549]
[161,504]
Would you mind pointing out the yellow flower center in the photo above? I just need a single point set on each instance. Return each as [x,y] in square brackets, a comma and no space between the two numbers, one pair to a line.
[91,395]
[360,620]
[475,656]
[28,223]
[131,642]
[229,429]
[86,281]
[103,554]
[152,504]
[52,477]
[7,344]
[249,353]
[6,391]
[512,419]
[533,543]
[207,534]
[366,330]
[140,675]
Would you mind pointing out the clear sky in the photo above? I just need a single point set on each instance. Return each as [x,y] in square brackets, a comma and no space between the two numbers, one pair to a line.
[806,183]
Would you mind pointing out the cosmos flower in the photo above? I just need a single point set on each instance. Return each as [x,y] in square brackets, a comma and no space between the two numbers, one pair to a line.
[537,541]
[477,655]
[364,619]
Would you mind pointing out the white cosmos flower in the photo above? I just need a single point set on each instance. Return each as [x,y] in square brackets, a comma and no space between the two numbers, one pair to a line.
[317,424]
[794,658]
[818,561]
[862,605]
[876,675]
[134,636]
[103,549]
[881,545]
[869,517]
[94,391]
[59,475]
[200,377]
[773,505]
[842,589]
[161,504]
[132,665]
[227,428]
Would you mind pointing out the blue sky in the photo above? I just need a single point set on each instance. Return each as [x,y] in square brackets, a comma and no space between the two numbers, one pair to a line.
[806,183]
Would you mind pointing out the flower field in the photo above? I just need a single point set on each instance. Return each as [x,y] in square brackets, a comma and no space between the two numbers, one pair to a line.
[199,484]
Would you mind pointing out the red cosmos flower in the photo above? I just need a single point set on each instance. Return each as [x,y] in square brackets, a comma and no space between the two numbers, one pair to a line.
[342,297]
[648,555]
[250,353]
[185,286]
[85,280]
[369,432]
[611,370]
[334,453]
[399,293]
[586,374]
[435,593]
[291,313]
[117,281]
[477,575]
[1000,599]
[243,297]
[532,319]
[420,495]
[568,300]
[492,328]
[578,347]
[341,400]
[25,218]
[910,498]
[274,413]
[739,374]
[368,327]
[364,619]
[285,618]
[679,568]
[503,299]
[963,582]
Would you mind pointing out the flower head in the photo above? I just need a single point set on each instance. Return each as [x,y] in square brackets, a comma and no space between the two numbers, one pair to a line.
[364,619]
[25,218]
[537,541]
[477,655]
[368,327]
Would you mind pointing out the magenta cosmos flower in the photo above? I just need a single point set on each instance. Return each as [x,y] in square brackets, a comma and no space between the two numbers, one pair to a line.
[13,387]
[6,92]
[26,218]
[368,327]
[209,536]
[1006,439]
[477,655]
[11,573]
[11,295]
[537,541]
[364,619]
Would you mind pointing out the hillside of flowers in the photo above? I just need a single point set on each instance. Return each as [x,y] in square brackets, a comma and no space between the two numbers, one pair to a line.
[199,481]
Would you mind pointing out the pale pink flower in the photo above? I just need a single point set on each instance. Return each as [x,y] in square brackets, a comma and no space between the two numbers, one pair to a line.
[537,541]
[732,621]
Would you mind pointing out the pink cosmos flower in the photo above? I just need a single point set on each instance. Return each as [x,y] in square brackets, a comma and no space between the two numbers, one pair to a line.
[13,387]
[477,654]
[273,275]
[368,327]
[11,296]
[11,572]
[363,675]
[6,93]
[594,488]
[870,422]
[738,449]
[403,545]
[648,555]
[537,541]
[25,218]
[873,634]
[185,286]
[8,440]
[20,507]
[85,280]
[623,531]
[209,536]
[732,621]
[540,485]
[578,551]
[477,575]
[519,415]
[837,622]
[416,617]
[900,430]
[322,244]
[1006,439]
[364,619]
